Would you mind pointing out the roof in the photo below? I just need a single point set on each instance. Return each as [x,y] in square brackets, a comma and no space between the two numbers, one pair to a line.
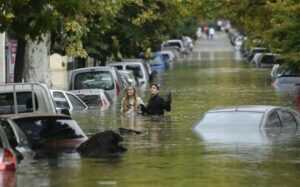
[125,62]
[98,68]
[30,115]
[245,108]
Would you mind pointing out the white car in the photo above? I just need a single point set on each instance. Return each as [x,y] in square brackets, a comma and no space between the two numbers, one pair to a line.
[68,100]
[177,44]
[89,80]
[18,98]
[248,124]
[140,69]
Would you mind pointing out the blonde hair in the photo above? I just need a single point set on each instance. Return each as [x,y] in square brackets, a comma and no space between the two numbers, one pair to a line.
[125,100]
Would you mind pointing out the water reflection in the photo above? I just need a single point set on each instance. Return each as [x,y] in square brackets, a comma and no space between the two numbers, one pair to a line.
[7,179]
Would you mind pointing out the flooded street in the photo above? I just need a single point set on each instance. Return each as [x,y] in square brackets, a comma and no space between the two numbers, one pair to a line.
[168,152]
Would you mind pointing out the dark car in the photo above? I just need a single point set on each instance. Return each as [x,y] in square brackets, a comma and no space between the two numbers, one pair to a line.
[39,131]
[251,124]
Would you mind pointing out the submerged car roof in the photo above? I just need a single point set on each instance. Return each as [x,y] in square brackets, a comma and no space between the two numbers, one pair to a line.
[33,115]
[244,108]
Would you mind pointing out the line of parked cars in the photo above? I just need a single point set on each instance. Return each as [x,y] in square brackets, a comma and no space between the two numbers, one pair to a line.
[102,85]
[32,118]
[286,77]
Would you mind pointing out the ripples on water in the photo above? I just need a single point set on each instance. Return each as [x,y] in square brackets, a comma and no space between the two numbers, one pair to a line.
[168,153]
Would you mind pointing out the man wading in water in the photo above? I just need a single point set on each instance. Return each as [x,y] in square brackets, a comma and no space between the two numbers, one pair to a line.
[156,104]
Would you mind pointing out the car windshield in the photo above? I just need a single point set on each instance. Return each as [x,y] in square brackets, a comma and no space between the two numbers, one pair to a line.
[41,129]
[96,79]
[231,119]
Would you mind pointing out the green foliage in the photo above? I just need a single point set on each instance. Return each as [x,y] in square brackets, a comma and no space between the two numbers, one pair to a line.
[105,28]
[274,22]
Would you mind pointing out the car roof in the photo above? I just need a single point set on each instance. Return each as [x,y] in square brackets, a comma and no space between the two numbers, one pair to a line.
[244,108]
[125,63]
[32,115]
[98,68]
[174,40]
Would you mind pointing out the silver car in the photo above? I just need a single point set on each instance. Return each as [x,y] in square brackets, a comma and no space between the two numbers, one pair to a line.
[68,100]
[140,70]
[251,124]
[105,78]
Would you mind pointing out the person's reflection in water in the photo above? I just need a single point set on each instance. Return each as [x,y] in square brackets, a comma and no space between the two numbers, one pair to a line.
[133,122]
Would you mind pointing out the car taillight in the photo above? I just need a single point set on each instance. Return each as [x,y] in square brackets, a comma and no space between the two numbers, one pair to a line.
[9,160]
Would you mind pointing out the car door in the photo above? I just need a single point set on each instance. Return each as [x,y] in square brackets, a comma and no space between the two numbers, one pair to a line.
[76,103]
[288,120]
[60,100]
[272,126]
[15,136]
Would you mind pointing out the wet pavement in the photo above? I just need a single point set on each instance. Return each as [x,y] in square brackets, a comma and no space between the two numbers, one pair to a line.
[168,153]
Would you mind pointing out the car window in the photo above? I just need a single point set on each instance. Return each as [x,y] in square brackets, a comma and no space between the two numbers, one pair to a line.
[39,130]
[136,69]
[119,67]
[76,103]
[24,102]
[287,119]
[58,95]
[273,120]
[9,133]
[96,79]
[172,44]
[268,59]
[61,103]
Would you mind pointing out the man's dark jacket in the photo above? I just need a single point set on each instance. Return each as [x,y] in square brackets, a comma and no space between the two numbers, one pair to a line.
[156,106]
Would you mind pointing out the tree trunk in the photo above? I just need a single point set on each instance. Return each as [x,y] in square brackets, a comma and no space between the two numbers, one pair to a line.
[19,65]
[36,58]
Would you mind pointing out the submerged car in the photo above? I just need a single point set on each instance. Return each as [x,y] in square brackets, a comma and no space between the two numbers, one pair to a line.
[8,156]
[138,67]
[25,98]
[175,44]
[33,131]
[68,100]
[248,124]
[93,78]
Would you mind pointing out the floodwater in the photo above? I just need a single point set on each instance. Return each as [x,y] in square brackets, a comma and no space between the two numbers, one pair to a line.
[168,152]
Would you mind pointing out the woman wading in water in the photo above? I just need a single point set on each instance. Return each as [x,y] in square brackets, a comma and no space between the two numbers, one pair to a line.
[131,102]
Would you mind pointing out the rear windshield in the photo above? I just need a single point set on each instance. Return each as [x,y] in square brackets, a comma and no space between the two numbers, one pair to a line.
[172,44]
[136,69]
[24,102]
[96,79]
[41,129]
[269,59]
